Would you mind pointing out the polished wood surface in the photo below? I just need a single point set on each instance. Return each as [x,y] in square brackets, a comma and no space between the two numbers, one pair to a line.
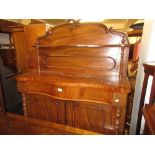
[94,48]
[149,116]
[5,25]
[84,87]
[24,38]
[149,70]
[33,31]
[43,99]
[20,47]
[45,108]
[12,124]
[80,78]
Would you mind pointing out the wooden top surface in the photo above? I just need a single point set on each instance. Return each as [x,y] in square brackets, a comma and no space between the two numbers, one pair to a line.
[74,80]
[150,64]
[37,126]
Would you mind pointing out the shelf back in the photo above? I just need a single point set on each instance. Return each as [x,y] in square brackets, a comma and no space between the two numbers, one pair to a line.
[83,49]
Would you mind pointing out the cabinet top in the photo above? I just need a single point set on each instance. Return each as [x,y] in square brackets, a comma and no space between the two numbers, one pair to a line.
[77,81]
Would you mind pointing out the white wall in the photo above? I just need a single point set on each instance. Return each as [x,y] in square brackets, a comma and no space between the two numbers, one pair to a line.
[147,53]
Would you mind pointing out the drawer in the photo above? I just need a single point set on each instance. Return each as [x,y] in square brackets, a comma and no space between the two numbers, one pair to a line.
[96,94]
[57,91]
[68,92]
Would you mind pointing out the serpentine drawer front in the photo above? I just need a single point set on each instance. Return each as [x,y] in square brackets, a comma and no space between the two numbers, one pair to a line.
[68,92]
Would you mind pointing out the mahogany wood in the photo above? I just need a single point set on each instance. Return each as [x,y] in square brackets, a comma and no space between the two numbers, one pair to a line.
[5,25]
[12,124]
[33,31]
[24,38]
[20,46]
[80,78]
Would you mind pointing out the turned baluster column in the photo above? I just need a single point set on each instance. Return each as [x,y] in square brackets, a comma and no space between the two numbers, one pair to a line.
[24,104]
[117,119]
[121,74]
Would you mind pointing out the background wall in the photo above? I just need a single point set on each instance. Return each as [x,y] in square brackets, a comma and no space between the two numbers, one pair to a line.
[21,21]
[147,53]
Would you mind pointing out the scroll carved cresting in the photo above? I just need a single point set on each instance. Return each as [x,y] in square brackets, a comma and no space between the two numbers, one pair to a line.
[73,21]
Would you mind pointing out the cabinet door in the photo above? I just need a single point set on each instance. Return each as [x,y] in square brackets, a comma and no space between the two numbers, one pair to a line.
[45,108]
[91,116]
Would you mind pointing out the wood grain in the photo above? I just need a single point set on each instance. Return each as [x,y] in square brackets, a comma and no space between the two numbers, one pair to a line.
[81,71]
[12,124]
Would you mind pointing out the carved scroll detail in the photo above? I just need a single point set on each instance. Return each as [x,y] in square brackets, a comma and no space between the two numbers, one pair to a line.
[121,34]
[73,21]
[48,33]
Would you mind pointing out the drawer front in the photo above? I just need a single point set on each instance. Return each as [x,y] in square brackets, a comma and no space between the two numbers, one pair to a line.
[68,92]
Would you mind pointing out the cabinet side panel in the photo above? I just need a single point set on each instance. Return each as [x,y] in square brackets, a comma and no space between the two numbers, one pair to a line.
[21,49]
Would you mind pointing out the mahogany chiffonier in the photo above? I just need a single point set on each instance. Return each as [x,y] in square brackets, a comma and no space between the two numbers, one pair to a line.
[81,78]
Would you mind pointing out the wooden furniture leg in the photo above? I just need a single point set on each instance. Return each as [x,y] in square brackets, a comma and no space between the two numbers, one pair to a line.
[142,102]
[149,69]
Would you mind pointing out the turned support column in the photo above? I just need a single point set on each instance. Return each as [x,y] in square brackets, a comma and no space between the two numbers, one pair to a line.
[24,104]
[117,119]
[121,72]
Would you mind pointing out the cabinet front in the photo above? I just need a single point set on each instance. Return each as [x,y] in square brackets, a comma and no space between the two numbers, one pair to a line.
[45,102]
[91,116]
[45,108]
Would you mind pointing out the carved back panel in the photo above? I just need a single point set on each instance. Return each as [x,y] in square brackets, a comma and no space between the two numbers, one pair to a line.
[83,49]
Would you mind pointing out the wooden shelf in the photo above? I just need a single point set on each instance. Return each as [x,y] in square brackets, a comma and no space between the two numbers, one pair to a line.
[84,46]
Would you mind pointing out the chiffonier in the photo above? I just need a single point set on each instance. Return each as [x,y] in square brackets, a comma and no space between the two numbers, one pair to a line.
[80,79]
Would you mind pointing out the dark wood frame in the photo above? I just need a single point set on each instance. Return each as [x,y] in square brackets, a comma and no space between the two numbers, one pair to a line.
[149,70]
